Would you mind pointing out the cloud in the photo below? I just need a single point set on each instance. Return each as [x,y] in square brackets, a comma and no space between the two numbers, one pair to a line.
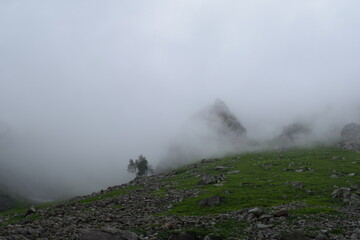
[96,83]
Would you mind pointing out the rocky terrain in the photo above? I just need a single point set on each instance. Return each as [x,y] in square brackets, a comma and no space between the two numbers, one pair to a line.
[208,200]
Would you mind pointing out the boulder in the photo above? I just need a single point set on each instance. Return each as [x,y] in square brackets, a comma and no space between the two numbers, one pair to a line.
[106,234]
[211,201]
[207,179]
[350,137]
[341,193]
[257,212]
[30,211]
[281,213]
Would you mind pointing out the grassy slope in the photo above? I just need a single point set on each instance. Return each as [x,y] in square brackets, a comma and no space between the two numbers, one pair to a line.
[261,182]
[262,179]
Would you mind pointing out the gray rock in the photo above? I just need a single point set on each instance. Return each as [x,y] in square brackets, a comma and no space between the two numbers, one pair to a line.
[256,211]
[106,234]
[182,236]
[281,213]
[212,237]
[296,184]
[341,193]
[211,201]
[233,172]
[265,217]
[294,236]
[30,211]
[221,168]
[208,160]
[207,179]
[262,226]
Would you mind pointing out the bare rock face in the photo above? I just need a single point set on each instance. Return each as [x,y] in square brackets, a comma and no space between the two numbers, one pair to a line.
[221,119]
[106,234]
[350,135]
[213,131]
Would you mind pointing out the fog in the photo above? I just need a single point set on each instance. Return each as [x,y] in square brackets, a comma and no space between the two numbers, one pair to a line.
[87,85]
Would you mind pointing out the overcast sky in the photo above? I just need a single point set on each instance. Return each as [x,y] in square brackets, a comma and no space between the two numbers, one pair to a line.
[94,83]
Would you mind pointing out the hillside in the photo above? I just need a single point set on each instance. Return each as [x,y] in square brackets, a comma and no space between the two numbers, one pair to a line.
[294,194]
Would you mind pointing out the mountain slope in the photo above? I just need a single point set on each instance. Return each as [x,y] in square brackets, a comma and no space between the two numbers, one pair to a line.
[304,193]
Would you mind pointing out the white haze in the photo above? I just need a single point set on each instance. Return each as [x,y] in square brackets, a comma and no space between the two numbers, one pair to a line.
[87,85]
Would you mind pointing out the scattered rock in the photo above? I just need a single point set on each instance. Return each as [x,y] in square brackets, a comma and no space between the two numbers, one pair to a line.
[207,179]
[30,211]
[262,226]
[257,212]
[182,236]
[265,217]
[208,160]
[294,236]
[211,201]
[233,172]
[212,237]
[221,168]
[168,226]
[106,234]
[341,193]
[281,213]
[220,178]
[299,185]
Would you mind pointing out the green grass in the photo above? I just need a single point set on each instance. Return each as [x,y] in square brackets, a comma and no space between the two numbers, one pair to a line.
[16,215]
[314,210]
[262,180]
[111,194]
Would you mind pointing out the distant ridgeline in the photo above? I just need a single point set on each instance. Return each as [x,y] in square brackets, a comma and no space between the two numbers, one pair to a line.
[213,131]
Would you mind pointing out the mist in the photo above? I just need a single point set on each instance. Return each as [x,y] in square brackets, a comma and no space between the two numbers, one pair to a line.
[87,85]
